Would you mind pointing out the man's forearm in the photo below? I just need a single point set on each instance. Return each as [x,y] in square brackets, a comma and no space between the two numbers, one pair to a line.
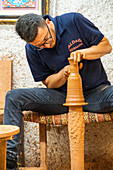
[58,79]
[96,51]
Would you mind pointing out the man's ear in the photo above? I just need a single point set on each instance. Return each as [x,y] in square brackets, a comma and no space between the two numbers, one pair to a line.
[47,21]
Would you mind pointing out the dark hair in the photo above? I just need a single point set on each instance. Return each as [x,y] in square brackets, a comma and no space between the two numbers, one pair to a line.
[27,26]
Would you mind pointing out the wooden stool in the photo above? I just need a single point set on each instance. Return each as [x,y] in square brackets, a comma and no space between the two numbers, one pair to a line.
[6,133]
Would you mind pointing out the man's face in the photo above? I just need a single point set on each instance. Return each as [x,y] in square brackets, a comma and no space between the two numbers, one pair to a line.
[46,37]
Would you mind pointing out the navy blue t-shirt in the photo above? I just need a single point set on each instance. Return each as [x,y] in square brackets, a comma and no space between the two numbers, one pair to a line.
[73,32]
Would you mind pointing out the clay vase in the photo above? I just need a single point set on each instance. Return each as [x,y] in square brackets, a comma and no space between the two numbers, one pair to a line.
[74,87]
[76,125]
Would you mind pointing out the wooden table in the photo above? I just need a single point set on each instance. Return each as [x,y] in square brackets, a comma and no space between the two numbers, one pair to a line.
[6,133]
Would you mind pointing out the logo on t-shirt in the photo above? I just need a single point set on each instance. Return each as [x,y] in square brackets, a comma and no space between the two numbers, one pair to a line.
[74,44]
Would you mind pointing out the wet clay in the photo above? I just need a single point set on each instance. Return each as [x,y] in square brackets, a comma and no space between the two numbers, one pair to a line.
[75,100]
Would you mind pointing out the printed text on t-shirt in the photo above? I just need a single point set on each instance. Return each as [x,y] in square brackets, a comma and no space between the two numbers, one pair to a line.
[74,44]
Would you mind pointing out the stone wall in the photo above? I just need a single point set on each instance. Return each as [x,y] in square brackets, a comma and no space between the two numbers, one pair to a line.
[98,137]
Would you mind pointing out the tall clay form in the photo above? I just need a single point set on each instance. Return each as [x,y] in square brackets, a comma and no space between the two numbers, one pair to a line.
[76,125]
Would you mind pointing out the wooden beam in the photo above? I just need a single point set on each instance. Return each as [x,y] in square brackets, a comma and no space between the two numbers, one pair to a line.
[5,80]
[43,146]
[1,116]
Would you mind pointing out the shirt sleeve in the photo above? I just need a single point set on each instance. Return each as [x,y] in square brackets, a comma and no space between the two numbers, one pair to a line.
[39,69]
[89,32]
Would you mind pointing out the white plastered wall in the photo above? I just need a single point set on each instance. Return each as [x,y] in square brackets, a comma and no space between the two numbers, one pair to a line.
[97,136]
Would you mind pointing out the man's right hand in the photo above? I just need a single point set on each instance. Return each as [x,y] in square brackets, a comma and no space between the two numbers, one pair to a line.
[66,71]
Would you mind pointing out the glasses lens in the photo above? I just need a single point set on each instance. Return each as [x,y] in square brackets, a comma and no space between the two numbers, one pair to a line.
[47,41]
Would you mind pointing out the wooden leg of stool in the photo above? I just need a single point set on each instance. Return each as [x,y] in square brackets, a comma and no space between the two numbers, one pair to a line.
[43,145]
[3,146]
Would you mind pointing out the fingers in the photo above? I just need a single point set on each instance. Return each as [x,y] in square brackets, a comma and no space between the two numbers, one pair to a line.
[66,74]
[80,66]
[78,56]
[67,71]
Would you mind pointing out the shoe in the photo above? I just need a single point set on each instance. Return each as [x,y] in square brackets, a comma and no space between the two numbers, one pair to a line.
[11,165]
[12,161]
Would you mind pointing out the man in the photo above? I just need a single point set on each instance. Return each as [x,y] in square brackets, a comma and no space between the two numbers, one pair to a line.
[49,44]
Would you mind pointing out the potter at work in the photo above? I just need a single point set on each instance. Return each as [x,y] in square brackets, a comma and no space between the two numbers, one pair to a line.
[50,41]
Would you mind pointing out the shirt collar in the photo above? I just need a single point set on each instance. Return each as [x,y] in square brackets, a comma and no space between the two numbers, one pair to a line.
[59,27]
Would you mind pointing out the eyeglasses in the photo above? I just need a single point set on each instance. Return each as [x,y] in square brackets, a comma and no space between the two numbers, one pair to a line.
[46,41]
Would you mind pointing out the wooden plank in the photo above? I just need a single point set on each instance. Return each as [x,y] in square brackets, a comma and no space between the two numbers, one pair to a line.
[1,119]
[1,116]
[43,146]
[5,80]
[3,146]
[1,111]
[8,130]
[8,20]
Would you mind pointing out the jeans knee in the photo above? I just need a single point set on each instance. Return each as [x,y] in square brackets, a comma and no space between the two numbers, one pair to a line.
[12,94]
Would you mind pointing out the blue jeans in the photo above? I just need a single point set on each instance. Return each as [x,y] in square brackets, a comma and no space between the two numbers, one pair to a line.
[49,101]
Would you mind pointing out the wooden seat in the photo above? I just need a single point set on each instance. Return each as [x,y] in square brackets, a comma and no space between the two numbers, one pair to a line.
[6,133]
[58,120]
[62,119]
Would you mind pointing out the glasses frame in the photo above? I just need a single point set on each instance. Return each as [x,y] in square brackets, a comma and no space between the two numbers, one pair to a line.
[45,40]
